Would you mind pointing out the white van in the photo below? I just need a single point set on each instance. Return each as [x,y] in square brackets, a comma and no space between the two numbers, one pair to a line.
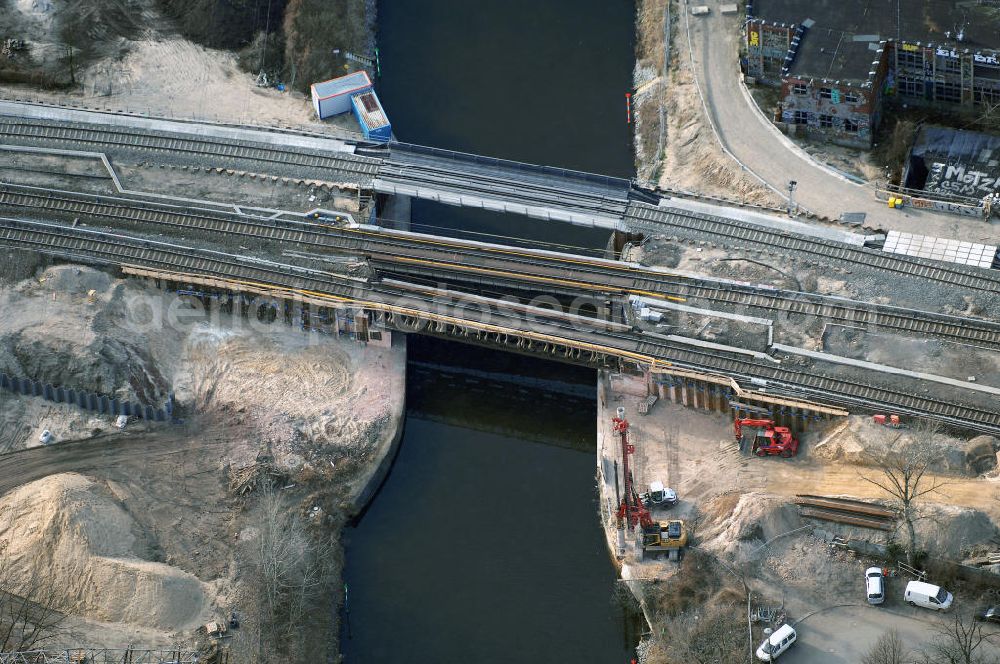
[874,585]
[928,596]
[780,640]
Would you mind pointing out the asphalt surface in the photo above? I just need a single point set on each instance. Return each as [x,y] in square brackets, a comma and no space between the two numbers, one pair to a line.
[844,634]
[759,145]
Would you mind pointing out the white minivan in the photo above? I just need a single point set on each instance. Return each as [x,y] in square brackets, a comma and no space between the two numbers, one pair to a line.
[874,585]
[927,595]
[780,640]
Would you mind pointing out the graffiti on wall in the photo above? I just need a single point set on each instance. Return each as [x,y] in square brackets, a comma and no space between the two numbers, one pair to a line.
[944,206]
[960,180]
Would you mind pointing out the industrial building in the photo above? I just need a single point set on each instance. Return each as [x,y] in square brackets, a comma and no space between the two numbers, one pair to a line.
[837,63]
[953,163]
[354,93]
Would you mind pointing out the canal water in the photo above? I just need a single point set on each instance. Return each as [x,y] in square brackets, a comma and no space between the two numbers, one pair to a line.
[484,545]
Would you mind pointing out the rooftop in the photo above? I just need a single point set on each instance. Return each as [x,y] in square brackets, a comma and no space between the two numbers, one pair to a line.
[370,110]
[957,162]
[342,85]
[841,40]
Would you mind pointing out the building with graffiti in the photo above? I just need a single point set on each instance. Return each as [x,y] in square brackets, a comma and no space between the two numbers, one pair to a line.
[838,64]
[953,163]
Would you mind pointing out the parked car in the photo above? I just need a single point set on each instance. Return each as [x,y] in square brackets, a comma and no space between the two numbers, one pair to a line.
[927,595]
[989,614]
[875,585]
[780,640]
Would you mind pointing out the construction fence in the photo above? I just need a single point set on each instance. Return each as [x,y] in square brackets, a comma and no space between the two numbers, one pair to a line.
[98,403]
[107,656]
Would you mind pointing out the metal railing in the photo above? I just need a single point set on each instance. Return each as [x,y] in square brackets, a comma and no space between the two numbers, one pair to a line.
[105,656]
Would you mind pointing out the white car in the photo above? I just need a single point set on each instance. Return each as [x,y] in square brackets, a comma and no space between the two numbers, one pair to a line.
[779,641]
[875,585]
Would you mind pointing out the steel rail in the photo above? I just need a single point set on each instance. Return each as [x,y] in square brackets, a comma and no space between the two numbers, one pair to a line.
[115,138]
[385,249]
[119,249]
[648,216]
[509,189]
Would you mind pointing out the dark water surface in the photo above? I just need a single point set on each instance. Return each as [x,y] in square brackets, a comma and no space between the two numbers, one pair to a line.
[484,543]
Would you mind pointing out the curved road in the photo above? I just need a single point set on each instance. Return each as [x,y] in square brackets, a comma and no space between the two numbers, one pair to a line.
[774,158]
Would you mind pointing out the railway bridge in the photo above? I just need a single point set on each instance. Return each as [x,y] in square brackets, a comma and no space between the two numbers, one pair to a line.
[394,295]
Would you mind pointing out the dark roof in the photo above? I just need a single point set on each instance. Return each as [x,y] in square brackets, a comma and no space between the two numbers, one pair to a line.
[956,145]
[835,55]
[836,46]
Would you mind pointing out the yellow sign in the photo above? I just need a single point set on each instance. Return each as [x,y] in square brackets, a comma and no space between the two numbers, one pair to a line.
[910,47]
[754,38]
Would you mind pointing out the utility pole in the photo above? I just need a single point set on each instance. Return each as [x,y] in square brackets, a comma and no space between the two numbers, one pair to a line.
[792,184]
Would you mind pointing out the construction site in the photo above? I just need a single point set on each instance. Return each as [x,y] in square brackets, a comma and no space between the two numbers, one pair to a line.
[209,284]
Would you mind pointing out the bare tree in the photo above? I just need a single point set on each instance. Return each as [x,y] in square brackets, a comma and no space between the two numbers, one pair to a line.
[959,642]
[889,649]
[717,635]
[28,618]
[291,575]
[903,475]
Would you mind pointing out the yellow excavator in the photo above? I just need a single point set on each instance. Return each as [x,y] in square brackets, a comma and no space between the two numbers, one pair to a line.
[668,537]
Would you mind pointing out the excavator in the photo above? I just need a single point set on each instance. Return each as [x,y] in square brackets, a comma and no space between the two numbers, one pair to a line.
[668,537]
[763,438]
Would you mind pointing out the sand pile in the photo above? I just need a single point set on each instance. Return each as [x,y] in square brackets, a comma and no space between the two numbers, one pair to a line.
[953,532]
[755,518]
[68,530]
[862,437]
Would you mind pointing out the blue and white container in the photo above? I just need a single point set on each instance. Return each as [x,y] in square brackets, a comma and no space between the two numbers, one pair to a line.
[333,97]
[371,116]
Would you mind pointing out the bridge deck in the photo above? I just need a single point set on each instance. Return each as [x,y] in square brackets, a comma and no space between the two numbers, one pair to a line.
[466,180]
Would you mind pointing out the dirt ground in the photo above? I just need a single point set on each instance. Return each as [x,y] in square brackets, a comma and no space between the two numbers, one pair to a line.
[740,509]
[133,59]
[151,509]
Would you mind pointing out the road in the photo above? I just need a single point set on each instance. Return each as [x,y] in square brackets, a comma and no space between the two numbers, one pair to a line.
[757,143]
[98,455]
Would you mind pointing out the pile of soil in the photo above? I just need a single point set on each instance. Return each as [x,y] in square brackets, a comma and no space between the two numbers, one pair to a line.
[70,531]
[70,328]
[84,329]
[861,438]
[754,519]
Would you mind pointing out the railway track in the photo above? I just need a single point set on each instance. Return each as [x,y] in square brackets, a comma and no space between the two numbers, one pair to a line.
[812,384]
[385,248]
[747,299]
[733,230]
[846,511]
[202,149]
[120,249]
[897,320]
[512,191]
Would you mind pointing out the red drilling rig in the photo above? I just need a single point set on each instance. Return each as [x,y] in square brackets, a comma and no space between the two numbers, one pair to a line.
[657,537]
[631,507]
